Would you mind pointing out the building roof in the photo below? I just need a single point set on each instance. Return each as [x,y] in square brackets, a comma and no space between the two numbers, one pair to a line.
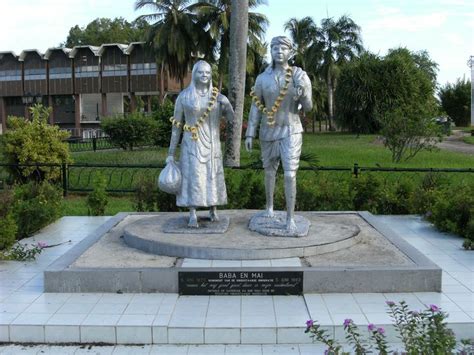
[25,52]
[122,47]
[54,49]
[132,45]
[94,49]
[2,54]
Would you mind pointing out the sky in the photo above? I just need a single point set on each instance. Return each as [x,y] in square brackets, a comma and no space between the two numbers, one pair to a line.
[445,28]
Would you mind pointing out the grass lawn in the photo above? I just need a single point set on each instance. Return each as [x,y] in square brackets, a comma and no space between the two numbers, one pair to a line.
[332,149]
[76,205]
[468,139]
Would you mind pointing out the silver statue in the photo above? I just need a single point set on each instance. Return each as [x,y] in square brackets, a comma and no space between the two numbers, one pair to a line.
[279,92]
[197,113]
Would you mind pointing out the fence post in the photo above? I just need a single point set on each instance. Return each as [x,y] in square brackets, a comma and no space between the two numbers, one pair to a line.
[355,170]
[64,169]
[94,143]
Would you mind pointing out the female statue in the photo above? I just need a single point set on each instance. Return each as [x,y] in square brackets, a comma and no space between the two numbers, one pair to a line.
[197,114]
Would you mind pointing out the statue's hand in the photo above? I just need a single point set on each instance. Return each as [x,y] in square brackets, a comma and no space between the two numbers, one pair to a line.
[248,144]
[169,159]
[299,90]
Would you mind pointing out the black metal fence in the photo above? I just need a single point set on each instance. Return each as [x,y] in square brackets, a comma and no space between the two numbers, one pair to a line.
[122,178]
[90,144]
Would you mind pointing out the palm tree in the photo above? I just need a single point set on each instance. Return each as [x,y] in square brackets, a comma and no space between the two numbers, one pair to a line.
[174,34]
[302,33]
[215,16]
[336,43]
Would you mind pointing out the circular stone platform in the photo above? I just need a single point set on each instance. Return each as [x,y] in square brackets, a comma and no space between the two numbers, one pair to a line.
[327,233]
[276,226]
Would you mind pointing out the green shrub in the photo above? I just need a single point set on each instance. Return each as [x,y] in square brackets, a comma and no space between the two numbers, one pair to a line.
[162,132]
[166,202]
[35,141]
[366,193]
[97,200]
[129,131]
[395,198]
[319,193]
[145,195]
[8,227]
[35,206]
[453,211]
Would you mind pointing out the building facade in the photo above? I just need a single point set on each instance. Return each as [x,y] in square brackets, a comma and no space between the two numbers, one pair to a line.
[82,84]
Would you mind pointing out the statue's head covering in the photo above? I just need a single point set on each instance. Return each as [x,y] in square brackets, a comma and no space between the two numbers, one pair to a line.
[189,94]
[281,40]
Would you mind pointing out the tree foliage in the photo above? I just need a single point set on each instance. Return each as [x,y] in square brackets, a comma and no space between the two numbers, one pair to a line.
[35,141]
[105,30]
[456,101]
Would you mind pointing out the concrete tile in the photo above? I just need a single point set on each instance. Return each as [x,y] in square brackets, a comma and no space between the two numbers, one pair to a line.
[101,320]
[87,298]
[280,349]
[243,349]
[226,263]
[4,334]
[133,334]
[287,262]
[13,307]
[256,263]
[312,349]
[258,336]
[66,319]
[27,333]
[160,335]
[135,320]
[258,321]
[53,298]
[115,298]
[358,318]
[186,335]
[148,298]
[132,349]
[137,308]
[7,318]
[206,350]
[32,319]
[363,298]
[98,334]
[61,334]
[293,336]
[109,308]
[188,262]
[222,335]
[49,308]
[75,308]
[169,350]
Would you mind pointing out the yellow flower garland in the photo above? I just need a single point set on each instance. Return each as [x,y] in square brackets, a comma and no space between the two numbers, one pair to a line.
[194,129]
[276,105]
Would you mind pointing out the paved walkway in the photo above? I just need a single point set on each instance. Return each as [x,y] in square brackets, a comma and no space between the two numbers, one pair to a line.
[455,143]
[268,325]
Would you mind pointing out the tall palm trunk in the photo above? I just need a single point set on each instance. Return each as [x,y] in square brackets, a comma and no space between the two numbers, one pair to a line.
[162,83]
[330,101]
[237,65]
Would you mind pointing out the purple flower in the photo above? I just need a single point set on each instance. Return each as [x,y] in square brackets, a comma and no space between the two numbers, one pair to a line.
[347,322]
[390,303]
[434,308]
[309,323]
[415,313]
[381,330]
[371,327]
[42,245]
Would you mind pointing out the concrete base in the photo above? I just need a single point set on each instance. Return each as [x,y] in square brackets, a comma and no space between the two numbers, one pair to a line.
[416,274]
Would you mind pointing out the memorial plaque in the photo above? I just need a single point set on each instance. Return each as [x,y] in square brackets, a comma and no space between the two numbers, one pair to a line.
[241,283]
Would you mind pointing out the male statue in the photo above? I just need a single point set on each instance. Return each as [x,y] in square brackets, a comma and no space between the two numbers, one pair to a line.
[279,92]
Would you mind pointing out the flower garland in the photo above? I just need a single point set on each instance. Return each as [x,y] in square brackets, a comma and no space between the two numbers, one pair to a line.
[276,105]
[194,129]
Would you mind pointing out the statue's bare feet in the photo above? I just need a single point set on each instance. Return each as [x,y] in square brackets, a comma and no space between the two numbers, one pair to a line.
[268,213]
[193,223]
[213,215]
[291,225]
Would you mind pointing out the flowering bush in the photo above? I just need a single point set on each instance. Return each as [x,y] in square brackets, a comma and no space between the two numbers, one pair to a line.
[422,332]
